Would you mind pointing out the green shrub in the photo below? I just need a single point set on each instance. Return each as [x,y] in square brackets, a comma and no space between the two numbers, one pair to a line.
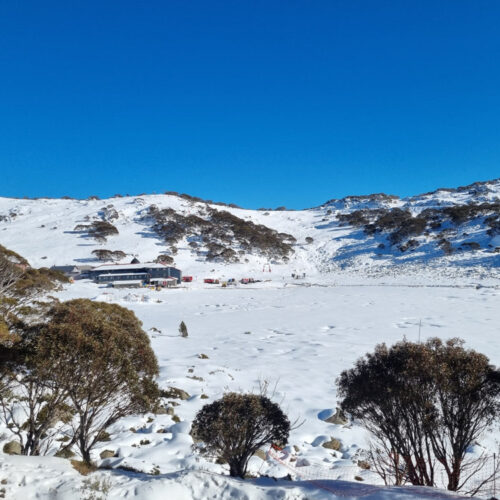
[234,427]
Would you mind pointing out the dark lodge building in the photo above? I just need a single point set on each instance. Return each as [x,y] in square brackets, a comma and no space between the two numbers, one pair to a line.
[134,273]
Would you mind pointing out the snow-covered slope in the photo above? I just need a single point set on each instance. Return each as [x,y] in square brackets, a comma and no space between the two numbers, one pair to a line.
[296,334]
[43,230]
[296,337]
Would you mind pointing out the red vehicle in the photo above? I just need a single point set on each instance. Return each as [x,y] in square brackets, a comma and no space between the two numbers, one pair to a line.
[187,279]
[211,281]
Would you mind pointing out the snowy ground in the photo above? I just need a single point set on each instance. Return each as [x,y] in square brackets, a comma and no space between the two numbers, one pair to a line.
[297,336]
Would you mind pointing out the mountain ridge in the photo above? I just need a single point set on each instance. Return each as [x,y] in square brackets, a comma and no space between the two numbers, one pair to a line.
[446,228]
[476,184]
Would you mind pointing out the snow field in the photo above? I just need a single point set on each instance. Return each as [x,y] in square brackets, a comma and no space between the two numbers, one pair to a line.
[298,339]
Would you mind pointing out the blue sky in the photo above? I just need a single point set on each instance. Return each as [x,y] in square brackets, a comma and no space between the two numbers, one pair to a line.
[260,103]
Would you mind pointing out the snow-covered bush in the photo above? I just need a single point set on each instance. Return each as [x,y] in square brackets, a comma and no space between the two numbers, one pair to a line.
[103,359]
[100,230]
[106,255]
[425,404]
[85,365]
[234,427]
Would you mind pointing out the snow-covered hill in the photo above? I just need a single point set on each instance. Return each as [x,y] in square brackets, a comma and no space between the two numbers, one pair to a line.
[296,334]
[437,231]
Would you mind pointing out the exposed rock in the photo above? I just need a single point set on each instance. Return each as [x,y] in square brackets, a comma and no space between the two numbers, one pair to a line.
[175,393]
[338,418]
[12,448]
[333,444]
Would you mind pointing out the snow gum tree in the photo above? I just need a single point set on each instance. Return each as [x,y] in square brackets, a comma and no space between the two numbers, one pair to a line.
[234,427]
[30,402]
[103,360]
[425,405]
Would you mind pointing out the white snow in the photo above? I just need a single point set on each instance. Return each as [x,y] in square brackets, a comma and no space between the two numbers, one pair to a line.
[296,334]
[113,267]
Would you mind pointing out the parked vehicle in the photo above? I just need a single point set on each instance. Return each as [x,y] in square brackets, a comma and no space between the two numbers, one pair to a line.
[245,281]
[187,279]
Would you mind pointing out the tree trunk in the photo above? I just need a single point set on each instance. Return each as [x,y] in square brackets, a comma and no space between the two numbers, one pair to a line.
[237,468]
[454,477]
[84,449]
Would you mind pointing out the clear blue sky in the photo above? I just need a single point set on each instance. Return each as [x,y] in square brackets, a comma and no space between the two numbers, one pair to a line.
[260,103]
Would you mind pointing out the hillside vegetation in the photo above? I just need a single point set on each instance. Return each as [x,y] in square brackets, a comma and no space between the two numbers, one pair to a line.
[447,229]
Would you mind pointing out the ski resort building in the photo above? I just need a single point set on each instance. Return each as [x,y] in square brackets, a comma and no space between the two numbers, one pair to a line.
[73,271]
[136,274]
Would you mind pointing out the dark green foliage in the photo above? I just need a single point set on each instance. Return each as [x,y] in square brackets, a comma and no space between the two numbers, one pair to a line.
[234,427]
[183,329]
[108,213]
[401,225]
[21,287]
[164,259]
[445,246]
[217,252]
[422,403]
[12,256]
[221,233]
[99,230]
[413,226]
[86,364]
[471,245]
[106,255]
[409,245]
[493,221]
[104,362]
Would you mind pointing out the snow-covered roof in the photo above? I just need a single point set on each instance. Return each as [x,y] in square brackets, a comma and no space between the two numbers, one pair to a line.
[113,267]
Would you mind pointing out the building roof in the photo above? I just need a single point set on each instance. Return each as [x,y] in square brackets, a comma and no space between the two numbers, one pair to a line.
[84,267]
[129,267]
